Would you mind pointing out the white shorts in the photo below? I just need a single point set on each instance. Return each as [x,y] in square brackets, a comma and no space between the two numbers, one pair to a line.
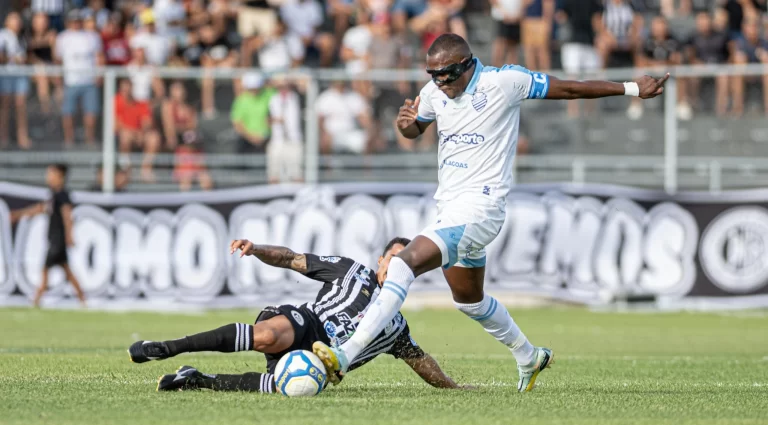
[577,57]
[463,229]
[285,161]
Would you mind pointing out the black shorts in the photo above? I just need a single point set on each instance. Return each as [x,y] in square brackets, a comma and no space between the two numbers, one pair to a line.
[57,255]
[508,31]
[307,329]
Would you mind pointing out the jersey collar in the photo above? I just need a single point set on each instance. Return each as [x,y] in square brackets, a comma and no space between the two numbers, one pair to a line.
[475,77]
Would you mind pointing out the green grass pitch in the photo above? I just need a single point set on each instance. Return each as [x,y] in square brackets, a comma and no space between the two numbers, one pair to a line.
[67,367]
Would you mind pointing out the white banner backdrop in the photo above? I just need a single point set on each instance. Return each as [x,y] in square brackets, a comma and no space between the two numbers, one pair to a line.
[583,244]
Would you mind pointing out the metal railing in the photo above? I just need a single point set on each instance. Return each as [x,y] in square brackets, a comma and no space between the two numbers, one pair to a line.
[700,172]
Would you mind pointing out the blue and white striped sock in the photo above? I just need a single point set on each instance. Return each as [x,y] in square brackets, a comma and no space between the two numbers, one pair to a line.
[495,319]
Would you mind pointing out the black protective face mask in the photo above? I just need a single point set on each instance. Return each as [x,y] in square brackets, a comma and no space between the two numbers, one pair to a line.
[448,74]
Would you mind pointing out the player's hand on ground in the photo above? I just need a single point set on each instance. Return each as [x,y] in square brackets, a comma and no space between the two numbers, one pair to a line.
[244,245]
[651,87]
[408,113]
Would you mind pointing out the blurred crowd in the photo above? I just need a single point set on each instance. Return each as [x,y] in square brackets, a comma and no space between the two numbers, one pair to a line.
[154,115]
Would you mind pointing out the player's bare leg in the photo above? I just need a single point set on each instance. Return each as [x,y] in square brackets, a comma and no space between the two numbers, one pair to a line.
[467,289]
[42,288]
[419,257]
[75,284]
[270,336]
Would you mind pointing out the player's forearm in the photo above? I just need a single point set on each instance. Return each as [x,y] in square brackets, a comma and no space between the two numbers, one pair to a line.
[429,370]
[411,132]
[279,256]
[565,89]
[26,212]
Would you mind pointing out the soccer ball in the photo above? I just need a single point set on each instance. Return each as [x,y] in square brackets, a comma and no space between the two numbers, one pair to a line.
[300,373]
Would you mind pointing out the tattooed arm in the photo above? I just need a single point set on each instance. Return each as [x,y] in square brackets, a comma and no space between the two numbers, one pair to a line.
[277,256]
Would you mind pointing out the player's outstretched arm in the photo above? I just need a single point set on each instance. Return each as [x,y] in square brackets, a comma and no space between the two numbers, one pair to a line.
[646,87]
[429,370]
[276,256]
[29,211]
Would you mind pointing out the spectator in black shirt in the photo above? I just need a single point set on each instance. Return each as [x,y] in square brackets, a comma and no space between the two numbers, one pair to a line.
[579,54]
[739,11]
[662,50]
[751,48]
[59,207]
[218,52]
[708,46]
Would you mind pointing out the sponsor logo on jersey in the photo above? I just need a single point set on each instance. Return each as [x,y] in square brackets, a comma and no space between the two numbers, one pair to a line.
[330,259]
[330,329]
[298,318]
[466,138]
[455,164]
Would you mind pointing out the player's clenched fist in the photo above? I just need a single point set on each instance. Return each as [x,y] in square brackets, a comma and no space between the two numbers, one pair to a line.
[244,245]
[650,87]
[408,113]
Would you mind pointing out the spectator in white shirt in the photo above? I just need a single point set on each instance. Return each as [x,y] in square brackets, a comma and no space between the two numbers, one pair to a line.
[143,79]
[356,51]
[507,14]
[345,120]
[278,51]
[13,89]
[356,45]
[303,17]
[170,17]
[285,151]
[80,53]
[156,47]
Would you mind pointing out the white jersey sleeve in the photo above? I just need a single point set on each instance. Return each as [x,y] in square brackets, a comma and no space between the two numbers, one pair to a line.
[519,83]
[426,109]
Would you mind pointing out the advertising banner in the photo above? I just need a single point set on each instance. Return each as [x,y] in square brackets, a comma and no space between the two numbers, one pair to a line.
[587,243]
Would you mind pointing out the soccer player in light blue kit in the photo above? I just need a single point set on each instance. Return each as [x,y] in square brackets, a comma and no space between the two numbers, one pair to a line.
[477,109]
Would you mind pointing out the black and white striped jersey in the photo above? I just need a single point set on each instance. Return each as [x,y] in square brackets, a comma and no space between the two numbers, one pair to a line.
[49,7]
[618,19]
[349,288]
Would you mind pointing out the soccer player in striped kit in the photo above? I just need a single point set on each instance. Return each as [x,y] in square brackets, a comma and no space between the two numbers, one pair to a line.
[348,290]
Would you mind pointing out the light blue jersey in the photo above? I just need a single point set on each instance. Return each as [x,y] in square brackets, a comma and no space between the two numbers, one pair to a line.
[477,131]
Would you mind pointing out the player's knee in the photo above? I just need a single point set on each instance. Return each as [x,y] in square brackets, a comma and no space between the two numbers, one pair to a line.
[408,257]
[467,295]
[474,308]
[264,336]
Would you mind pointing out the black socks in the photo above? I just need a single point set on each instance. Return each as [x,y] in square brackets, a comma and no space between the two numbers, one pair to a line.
[226,339]
[251,381]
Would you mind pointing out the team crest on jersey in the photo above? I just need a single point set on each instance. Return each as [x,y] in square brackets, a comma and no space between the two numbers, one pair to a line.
[298,318]
[330,259]
[479,100]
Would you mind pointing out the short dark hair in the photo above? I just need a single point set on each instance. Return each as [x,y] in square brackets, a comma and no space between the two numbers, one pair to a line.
[62,168]
[449,43]
[395,241]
